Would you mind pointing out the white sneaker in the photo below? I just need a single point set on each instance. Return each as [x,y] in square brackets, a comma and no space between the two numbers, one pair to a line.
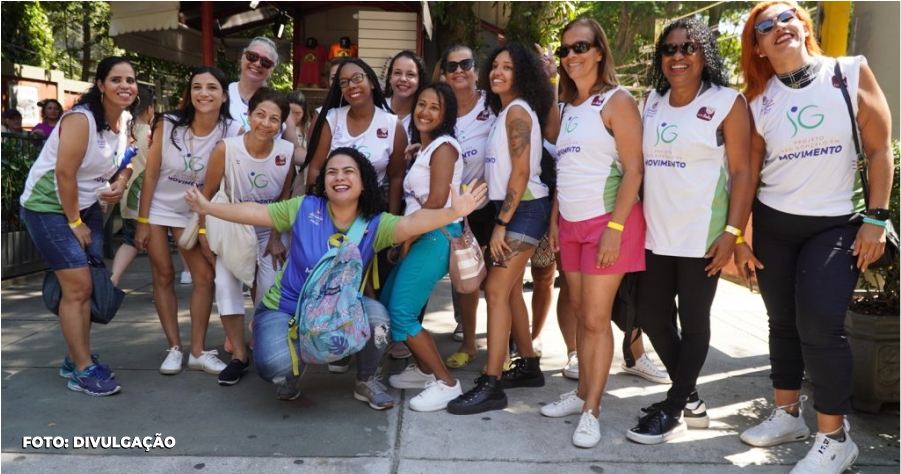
[588,433]
[435,396]
[537,347]
[569,404]
[410,378]
[571,369]
[207,362]
[186,278]
[646,368]
[828,456]
[780,427]
[172,364]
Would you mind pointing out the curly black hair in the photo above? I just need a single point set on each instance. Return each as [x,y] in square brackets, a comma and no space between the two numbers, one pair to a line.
[446,98]
[530,82]
[370,203]
[420,71]
[699,32]
[334,100]
[93,98]
[184,116]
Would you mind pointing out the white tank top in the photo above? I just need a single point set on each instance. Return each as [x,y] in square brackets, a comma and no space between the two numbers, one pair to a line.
[184,163]
[417,183]
[589,171]
[101,160]
[404,122]
[472,132]
[686,196]
[376,143]
[498,164]
[259,180]
[810,164]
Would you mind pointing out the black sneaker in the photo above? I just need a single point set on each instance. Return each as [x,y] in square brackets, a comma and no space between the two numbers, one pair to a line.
[232,373]
[525,372]
[694,415]
[658,427]
[339,366]
[487,395]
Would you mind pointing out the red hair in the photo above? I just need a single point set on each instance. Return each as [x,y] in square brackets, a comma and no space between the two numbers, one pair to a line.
[757,70]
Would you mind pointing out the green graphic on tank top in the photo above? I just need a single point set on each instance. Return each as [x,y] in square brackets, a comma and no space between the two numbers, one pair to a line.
[804,118]
[719,209]
[611,187]
[43,196]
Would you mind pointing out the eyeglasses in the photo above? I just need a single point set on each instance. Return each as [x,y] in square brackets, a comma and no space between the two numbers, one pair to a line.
[688,48]
[252,57]
[580,47]
[451,66]
[765,26]
[355,79]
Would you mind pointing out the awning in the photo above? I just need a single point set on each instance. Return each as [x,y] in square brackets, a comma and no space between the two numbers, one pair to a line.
[130,17]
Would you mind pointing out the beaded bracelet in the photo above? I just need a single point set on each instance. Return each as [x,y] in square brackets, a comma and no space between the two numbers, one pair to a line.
[868,220]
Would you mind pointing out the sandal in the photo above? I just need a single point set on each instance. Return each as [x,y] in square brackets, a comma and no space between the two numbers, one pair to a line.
[458,360]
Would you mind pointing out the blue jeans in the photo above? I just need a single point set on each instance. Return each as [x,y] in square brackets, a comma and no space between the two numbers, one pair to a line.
[411,282]
[530,220]
[272,357]
[59,247]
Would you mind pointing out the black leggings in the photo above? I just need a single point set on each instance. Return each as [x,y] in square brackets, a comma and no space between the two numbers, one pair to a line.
[665,278]
[807,282]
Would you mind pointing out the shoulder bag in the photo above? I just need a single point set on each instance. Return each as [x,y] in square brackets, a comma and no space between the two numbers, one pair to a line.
[234,244]
[891,235]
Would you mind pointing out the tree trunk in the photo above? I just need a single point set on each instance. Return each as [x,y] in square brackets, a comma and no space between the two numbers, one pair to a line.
[86,41]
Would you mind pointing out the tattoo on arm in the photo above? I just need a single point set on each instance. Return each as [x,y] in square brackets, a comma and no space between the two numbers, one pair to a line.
[519,135]
[508,201]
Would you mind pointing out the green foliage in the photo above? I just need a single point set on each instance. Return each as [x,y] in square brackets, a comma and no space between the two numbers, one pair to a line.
[26,34]
[540,22]
[456,23]
[80,36]
[17,154]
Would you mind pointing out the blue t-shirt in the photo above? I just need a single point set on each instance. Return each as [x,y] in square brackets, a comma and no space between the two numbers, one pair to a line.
[311,225]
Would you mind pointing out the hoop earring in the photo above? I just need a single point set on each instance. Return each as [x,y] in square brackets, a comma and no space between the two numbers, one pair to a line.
[137,102]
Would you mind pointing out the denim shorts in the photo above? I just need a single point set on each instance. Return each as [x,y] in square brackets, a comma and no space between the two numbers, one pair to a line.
[128,232]
[530,221]
[53,237]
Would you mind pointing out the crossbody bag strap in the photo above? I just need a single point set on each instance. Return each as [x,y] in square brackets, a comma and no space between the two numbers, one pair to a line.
[861,158]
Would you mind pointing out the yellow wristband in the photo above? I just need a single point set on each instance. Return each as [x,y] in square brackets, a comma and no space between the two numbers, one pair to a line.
[739,240]
[615,226]
[554,79]
[201,231]
[76,223]
[733,230]
[143,220]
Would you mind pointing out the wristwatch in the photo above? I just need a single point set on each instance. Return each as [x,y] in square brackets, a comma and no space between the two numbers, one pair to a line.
[498,221]
[878,213]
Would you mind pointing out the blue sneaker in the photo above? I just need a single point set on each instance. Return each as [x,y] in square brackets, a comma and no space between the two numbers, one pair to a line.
[65,371]
[93,381]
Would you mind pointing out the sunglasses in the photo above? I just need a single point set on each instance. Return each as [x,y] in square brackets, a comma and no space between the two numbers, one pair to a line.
[355,79]
[252,57]
[580,47]
[688,48]
[765,26]
[451,66]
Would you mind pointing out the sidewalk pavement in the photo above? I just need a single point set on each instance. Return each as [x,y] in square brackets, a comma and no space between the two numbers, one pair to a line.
[245,429]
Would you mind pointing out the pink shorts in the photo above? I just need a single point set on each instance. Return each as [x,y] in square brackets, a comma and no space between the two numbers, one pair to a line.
[579,244]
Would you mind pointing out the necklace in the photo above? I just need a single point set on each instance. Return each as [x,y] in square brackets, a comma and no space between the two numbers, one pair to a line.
[801,77]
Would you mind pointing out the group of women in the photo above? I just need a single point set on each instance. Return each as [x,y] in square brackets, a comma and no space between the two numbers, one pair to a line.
[664,189]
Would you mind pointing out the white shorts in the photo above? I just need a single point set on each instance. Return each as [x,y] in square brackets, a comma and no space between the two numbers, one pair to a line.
[230,290]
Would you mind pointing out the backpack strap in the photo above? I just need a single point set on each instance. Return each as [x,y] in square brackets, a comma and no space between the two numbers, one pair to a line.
[355,235]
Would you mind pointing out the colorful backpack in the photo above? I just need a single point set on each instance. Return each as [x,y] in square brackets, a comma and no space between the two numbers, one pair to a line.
[330,323]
